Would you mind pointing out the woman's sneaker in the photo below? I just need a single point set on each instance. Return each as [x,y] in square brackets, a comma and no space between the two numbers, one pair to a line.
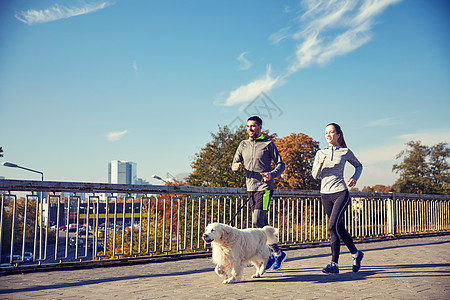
[331,268]
[357,258]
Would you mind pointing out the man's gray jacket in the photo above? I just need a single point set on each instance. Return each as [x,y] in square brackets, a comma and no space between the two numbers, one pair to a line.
[257,156]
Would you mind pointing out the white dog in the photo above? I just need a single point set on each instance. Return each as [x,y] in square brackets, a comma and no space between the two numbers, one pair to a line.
[233,249]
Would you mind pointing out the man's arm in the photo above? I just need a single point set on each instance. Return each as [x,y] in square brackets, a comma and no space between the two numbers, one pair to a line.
[276,157]
[237,160]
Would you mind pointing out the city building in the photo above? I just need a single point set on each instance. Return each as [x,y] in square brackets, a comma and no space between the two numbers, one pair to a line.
[122,172]
[142,181]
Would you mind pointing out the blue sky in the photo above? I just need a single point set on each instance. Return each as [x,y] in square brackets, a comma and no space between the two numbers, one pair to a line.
[86,82]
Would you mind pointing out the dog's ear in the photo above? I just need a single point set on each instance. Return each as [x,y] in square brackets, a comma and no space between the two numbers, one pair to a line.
[277,235]
[277,231]
[227,232]
[272,234]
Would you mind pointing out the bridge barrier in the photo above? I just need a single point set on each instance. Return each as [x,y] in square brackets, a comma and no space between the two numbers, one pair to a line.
[57,223]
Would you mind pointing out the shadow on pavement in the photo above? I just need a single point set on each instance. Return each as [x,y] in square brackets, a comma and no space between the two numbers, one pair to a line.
[365,250]
[97,281]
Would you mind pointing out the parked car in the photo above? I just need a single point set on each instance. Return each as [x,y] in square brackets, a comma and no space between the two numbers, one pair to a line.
[15,257]
[100,247]
[28,256]
[73,242]
[72,227]
[62,228]
[83,231]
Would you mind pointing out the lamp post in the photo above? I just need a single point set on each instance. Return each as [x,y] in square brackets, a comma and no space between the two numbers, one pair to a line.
[159,178]
[11,165]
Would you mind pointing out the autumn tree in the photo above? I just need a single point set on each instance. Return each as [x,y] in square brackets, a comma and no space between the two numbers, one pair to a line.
[298,151]
[23,210]
[423,170]
[378,188]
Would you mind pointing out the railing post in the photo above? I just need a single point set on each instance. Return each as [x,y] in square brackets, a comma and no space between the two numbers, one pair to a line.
[391,216]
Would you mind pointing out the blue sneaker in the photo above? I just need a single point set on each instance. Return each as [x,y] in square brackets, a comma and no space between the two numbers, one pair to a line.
[332,268]
[279,259]
[357,258]
[270,262]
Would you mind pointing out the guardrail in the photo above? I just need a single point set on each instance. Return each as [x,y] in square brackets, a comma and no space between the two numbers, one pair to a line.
[44,222]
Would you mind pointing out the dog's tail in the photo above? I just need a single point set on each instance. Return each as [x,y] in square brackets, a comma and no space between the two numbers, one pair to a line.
[272,234]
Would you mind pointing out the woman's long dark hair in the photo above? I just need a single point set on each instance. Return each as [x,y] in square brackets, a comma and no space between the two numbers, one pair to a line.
[338,129]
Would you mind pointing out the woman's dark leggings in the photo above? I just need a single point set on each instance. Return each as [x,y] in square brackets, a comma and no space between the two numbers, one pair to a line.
[335,206]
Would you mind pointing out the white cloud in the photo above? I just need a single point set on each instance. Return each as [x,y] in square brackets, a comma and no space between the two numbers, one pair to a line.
[388,153]
[280,35]
[389,121]
[378,161]
[326,29]
[245,63]
[374,174]
[57,12]
[380,154]
[115,136]
[244,93]
[134,66]
[428,138]
[334,28]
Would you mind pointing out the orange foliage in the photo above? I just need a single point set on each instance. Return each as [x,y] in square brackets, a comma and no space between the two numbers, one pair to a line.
[298,151]
[378,188]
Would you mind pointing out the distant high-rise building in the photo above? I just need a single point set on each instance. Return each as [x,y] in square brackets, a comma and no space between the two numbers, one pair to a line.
[123,172]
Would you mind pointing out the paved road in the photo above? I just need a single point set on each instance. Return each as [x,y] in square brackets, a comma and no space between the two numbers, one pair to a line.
[399,269]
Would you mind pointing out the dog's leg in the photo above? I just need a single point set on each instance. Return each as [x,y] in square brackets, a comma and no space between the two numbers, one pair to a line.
[221,271]
[239,270]
[260,268]
[236,273]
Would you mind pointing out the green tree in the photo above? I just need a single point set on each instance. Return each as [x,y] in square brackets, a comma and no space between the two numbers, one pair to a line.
[439,168]
[212,166]
[424,170]
[298,151]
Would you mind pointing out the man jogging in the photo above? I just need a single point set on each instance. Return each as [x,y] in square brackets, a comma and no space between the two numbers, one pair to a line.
[257,154]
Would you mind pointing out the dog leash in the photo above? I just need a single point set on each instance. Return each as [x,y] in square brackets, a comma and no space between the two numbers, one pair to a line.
[232,219]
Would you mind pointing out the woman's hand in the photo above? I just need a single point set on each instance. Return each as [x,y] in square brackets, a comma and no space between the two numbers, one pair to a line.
[322,160]
[351,182]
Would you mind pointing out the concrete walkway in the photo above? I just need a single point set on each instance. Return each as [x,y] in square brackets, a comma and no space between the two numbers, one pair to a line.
[417,268]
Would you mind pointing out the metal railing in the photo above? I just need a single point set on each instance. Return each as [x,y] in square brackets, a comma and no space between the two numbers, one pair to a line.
[45,222]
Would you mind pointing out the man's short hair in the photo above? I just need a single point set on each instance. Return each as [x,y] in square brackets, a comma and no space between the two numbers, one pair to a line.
[256,119]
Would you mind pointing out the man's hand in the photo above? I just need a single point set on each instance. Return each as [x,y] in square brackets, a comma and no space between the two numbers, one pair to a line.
[266,176]
[235,167]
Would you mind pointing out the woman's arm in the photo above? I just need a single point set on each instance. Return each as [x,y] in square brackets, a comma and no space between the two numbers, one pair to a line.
[351,158]
[317,166]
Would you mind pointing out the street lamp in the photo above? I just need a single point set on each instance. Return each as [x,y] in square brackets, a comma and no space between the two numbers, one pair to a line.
[159,178]
[11,165]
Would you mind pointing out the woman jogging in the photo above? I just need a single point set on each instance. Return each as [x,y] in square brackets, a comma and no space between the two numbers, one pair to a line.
[329,168]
